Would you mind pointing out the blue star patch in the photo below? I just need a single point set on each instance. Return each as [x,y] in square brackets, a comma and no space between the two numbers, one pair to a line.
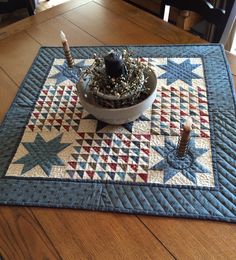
[182,71]
[43,154]
[172,165]
[65,73]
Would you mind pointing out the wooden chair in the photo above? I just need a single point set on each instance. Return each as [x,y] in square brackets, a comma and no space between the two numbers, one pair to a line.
[213,15]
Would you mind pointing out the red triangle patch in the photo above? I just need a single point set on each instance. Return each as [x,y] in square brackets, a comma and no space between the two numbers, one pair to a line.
[148,137]
[200,89]
[75,98]
[202,101]
[173,125]
[107,141]
[173,89]
[203,113]
[81,135]
[127,143]
[146,151]
[119,135]
[137,136]
[31,127]
[192,107]
[163,119]
[163,94]
[90,174]
[40,103]
[124,158]
[50,121]
[79,115]
[143,176]
[104,157]
[182,113]
[36,115]
[203,134]
[63,109]
[59,121]
[87,148]
[134,167]
[164,113]
[113,166]
[174,107]
[72,164]
[67,127]
[97,149]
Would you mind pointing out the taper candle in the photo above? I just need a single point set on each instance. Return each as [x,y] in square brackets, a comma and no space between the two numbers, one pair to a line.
[185,136]
[66,47]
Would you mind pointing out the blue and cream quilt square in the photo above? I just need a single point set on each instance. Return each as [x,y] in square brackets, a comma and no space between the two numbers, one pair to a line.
[63,141]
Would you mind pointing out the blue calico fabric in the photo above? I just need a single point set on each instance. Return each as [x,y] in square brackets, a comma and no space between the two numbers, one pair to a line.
[217,202]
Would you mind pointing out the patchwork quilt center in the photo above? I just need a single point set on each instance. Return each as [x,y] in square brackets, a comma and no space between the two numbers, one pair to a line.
[61,140]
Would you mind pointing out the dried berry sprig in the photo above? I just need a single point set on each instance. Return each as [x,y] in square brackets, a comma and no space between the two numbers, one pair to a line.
[129,88]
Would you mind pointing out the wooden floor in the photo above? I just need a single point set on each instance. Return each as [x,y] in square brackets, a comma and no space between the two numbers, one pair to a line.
[41,233]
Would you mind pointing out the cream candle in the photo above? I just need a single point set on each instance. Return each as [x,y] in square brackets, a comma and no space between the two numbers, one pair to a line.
[67,51]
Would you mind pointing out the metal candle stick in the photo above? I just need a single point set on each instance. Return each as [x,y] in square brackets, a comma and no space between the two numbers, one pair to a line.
[69,58]
[185,137]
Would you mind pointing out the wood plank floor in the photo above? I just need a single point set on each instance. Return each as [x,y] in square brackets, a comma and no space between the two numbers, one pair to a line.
[40,233]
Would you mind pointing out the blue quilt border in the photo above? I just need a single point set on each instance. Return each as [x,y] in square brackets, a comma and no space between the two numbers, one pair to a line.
[127,198]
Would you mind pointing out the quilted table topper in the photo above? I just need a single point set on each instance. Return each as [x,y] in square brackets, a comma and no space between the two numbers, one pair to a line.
[53,153]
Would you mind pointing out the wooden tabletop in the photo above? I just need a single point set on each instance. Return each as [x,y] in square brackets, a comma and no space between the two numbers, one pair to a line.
[40,233]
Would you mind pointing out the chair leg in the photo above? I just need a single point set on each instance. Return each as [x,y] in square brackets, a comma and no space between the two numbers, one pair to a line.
[217,34]
[31,7]
[182,20]
[162,9]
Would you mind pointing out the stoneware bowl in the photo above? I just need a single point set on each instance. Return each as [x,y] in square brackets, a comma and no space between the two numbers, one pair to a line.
[112,101]
[117,116]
